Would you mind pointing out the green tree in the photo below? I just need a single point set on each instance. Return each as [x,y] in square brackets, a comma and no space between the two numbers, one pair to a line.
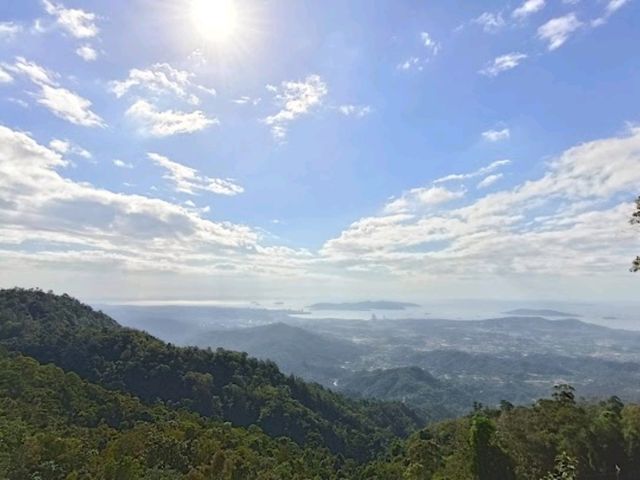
[488,460]
[565,468]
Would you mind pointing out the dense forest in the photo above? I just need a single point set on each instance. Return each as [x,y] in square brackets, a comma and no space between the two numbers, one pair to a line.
[82,397]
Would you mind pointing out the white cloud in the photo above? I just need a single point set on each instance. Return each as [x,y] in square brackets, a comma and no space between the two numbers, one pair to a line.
[161,79]
[65,147]
[612,7]
[122,164]
[32,71]
[355,110]
[417,198]
[244,100]
[77,22]
[124,232]
[496,135]
[9,29]
[430,43]
[503,63]
[168,122]
[557,30]
[69,106]
[5,77]
[489,180]
[409,63]
[527,8]
[490,22]
[493,166]
[188,180]
[61,102]
[87,53]
[295,99]
[571,221]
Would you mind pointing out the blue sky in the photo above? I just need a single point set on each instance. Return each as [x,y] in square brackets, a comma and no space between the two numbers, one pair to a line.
[405,149]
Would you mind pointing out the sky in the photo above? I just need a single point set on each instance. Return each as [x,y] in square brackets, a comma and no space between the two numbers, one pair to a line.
[255,149]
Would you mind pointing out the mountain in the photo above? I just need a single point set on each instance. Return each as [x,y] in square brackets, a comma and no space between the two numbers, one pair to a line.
[533,312]
[223,385]
[362,306]
[54,425]
[414,386]
[295,350]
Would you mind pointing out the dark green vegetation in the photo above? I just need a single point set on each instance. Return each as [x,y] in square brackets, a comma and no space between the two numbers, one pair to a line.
[435,399]
[109,409]
[223,385]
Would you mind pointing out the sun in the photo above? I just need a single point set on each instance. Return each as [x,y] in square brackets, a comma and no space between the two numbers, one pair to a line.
[215,20]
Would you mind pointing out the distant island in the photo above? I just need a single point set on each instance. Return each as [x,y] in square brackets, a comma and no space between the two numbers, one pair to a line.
[540,312]
[362,306]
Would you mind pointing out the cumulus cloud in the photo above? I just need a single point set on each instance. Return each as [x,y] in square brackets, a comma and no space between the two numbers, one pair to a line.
[503,63]
[496,135]
[188,180]
[78,225]
[61,102]
[296,98]
[161,79]
[77,22]
[87,53]
[572,220]
[167,122]
[527,8]
[557,30]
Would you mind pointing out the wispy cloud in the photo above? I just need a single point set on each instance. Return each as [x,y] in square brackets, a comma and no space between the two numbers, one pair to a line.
[167,122]
[490,22]
[9,30]
[503,63]
[430,44]
[5,77]
[477,173]
[557,30]
[612,7]
[188,180]
[489,180]
[296,98]
[79,23]
[61,102]
[496,135]
[355,110]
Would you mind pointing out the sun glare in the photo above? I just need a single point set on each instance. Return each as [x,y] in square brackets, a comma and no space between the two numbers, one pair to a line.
[215,20]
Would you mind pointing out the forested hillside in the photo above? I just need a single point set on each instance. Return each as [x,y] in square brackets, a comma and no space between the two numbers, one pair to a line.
[139,416]
[223,385]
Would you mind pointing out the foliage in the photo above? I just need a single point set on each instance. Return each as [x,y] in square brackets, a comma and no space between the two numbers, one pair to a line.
[224,385]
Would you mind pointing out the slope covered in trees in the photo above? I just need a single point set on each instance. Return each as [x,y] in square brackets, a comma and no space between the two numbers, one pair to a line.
[223,385]
[54,425]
